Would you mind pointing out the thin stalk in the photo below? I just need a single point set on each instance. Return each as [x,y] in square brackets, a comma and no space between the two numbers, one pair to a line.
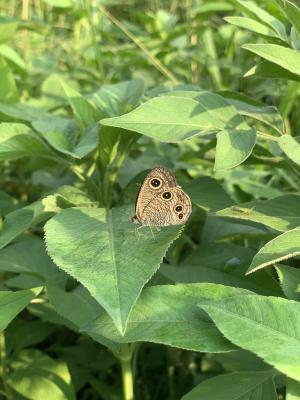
[267,136]
[25,41]
[89,8]
[3,367]
[155,61]
[125,358]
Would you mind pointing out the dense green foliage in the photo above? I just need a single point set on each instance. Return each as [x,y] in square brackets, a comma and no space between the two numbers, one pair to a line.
[93,94]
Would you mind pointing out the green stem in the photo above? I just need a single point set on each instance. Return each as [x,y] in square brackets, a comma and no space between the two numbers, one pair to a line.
[98,58]
[3,367]
[267,136]
[154,60]
[127,373]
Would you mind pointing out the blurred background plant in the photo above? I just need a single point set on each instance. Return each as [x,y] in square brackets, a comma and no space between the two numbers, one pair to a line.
[66,64]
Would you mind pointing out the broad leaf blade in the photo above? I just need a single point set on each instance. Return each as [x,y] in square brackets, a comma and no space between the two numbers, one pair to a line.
[281,213]
[237,386]
[233,147]
[286,58]
[291,147]
[253,322]
[157,318]
[101,250]
[172,118]
[290,281]
[279,249]
[11,303]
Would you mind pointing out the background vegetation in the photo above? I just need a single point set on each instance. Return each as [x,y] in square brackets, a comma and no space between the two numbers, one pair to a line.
[95,93]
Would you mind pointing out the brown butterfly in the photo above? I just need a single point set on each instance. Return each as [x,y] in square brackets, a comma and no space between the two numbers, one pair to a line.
[160,201]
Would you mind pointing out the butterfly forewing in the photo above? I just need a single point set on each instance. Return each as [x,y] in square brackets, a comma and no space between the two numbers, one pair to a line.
[160,202]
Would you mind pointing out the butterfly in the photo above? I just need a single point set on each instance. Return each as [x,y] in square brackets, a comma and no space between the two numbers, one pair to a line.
[160,201]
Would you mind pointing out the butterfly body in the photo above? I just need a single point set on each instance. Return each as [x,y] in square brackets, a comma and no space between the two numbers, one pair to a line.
[160,201]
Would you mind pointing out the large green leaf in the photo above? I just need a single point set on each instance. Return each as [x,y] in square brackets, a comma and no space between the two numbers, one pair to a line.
[36,374]
[172,118]
[221,263]
[293,12]
[99,249]
[11,303]
[292,390]
[290,281]
[155,318]
[207,193]
[267,326]
[16,258]
[248,107]
[21,112]
[60,142]
[17,141]
[291,147]
[8,88]
[279,249]
[251,25]
[268,69]
[15,223]
[233,147]
[236,386]
[116,99]
[8,27]
[253,10]
[85,113]
[281,213]
[286,58]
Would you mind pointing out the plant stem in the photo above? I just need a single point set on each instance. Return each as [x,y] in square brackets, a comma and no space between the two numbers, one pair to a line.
[126,366]
[3,367]
[155,61]
[93,33]
[267,136]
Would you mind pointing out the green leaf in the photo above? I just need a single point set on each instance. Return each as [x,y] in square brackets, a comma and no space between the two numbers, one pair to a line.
[114,272]
[16,258]
[17,141]
[157,318]
[21,112]
[60,142]
[290,281]
[21,334]
[252,25]
[254,322]
[11,303]
[60,3]
[292,10]
[7,203]
[286,58]
[267,69]
[84,111]
[233,147]
[279,249]
[8,88]
[207,193]
[8,27]
[116,99]
[264,17]
[292,390]
[15,223]
[281,213]
[11,55]
[36,373]
[171,118]
[290,147]
[237,386]
[269,115]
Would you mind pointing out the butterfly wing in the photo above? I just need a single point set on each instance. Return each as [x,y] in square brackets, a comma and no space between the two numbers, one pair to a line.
[172,211]
[160,201]
[153,186]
